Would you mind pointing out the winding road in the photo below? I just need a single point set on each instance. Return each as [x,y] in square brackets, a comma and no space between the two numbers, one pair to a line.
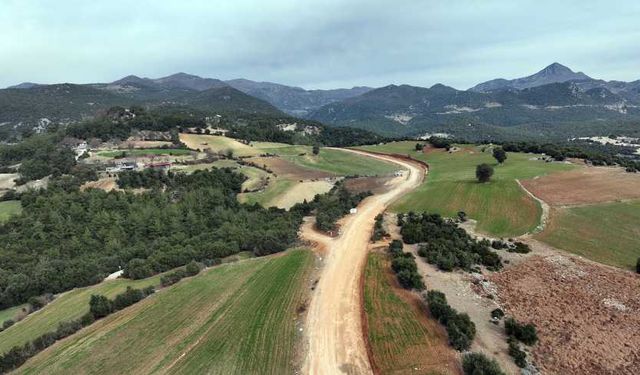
[334,323]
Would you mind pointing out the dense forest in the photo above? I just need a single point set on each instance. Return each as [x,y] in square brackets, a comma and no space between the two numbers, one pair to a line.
[67,238]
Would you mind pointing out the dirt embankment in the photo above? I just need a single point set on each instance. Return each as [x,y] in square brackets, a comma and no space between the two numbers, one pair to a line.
[334,325]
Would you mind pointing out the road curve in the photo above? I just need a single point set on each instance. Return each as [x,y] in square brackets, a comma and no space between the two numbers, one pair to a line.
[334,327]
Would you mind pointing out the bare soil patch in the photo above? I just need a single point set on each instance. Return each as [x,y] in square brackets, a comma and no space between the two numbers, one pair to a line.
[376,185]
[587,315]
[284,168]
[106,184]
[585,186]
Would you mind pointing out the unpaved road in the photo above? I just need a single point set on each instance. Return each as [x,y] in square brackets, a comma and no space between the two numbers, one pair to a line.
[334,326]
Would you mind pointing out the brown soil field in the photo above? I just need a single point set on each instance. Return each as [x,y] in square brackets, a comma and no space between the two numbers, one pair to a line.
[376,185]
[585,186]
[587,315]
[106,184]
[284,168]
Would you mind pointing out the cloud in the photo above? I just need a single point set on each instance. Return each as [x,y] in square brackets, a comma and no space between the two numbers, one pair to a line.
[315,43]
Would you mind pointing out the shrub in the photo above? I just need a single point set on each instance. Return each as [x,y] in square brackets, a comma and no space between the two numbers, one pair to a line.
[524,333]
[479,364]
[127,298]
[520,247]
[499,154]
[410,280]
[7,323]
[100,306]
[497,313]
[484,172]
[192,268]
[638,266]
[518,355]
[460,329]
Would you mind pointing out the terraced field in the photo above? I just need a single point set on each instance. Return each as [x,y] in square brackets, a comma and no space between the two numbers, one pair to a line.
[402,339]
[501,207]
[239,318]
[607,233]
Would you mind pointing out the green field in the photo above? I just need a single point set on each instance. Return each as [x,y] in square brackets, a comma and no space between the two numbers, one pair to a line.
[68,306]
[501,207]
[8,209]
[276,187]
[401,337]
[10,313]
[144,152]
[238,318]
[606,233]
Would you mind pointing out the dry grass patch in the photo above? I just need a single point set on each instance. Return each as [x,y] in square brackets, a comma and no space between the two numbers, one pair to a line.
[585,186]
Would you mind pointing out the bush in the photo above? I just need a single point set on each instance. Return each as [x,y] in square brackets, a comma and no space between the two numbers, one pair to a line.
[100,306]
[484,172]
[410,280]
[192,268]
[524,333]
[520,248]
[497,313]
[7,323]
[460,329]
[127,298]
[638,266]
[518,355]
[138,269]
[479,364]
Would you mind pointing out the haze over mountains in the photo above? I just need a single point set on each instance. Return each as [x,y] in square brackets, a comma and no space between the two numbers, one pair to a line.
[555,101]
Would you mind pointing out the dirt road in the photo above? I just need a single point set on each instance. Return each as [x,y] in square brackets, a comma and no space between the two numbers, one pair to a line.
[334,325]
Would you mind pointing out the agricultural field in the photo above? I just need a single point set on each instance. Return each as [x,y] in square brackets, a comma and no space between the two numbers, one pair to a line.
[218,143]
[402,339]
[500,207]
[608,233]
[237,318]
[145,152]
[8,209]
[67,306]
[276,188]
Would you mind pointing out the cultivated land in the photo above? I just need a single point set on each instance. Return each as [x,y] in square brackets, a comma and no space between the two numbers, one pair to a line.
[608,233]
[8,209]
[586,314]
[334,326]
[145,152]
[402,339]
[67,306]
[585,186]
[239,318]
[501,207]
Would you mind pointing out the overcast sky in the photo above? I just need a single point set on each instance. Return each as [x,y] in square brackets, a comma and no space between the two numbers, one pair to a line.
[316,44]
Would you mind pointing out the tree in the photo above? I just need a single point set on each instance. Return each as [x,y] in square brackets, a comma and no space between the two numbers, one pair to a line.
[484,172]
[100,306]
[638,266]
[499,154]
[479,364]
[316,149]
[419,146]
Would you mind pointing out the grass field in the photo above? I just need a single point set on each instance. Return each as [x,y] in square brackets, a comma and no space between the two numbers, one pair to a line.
[234,319]
[68,306]
[8,209]
[273,191]
[402,339]
[144,152]
[10,313]
[218,143]
[501,207]
[607,233]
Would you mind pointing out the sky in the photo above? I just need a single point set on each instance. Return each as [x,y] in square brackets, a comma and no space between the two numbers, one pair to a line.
[316,44]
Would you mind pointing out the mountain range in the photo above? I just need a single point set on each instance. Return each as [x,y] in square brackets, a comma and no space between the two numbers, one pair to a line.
[554,102]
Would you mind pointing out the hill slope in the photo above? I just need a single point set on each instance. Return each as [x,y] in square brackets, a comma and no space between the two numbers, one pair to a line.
[294,100]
